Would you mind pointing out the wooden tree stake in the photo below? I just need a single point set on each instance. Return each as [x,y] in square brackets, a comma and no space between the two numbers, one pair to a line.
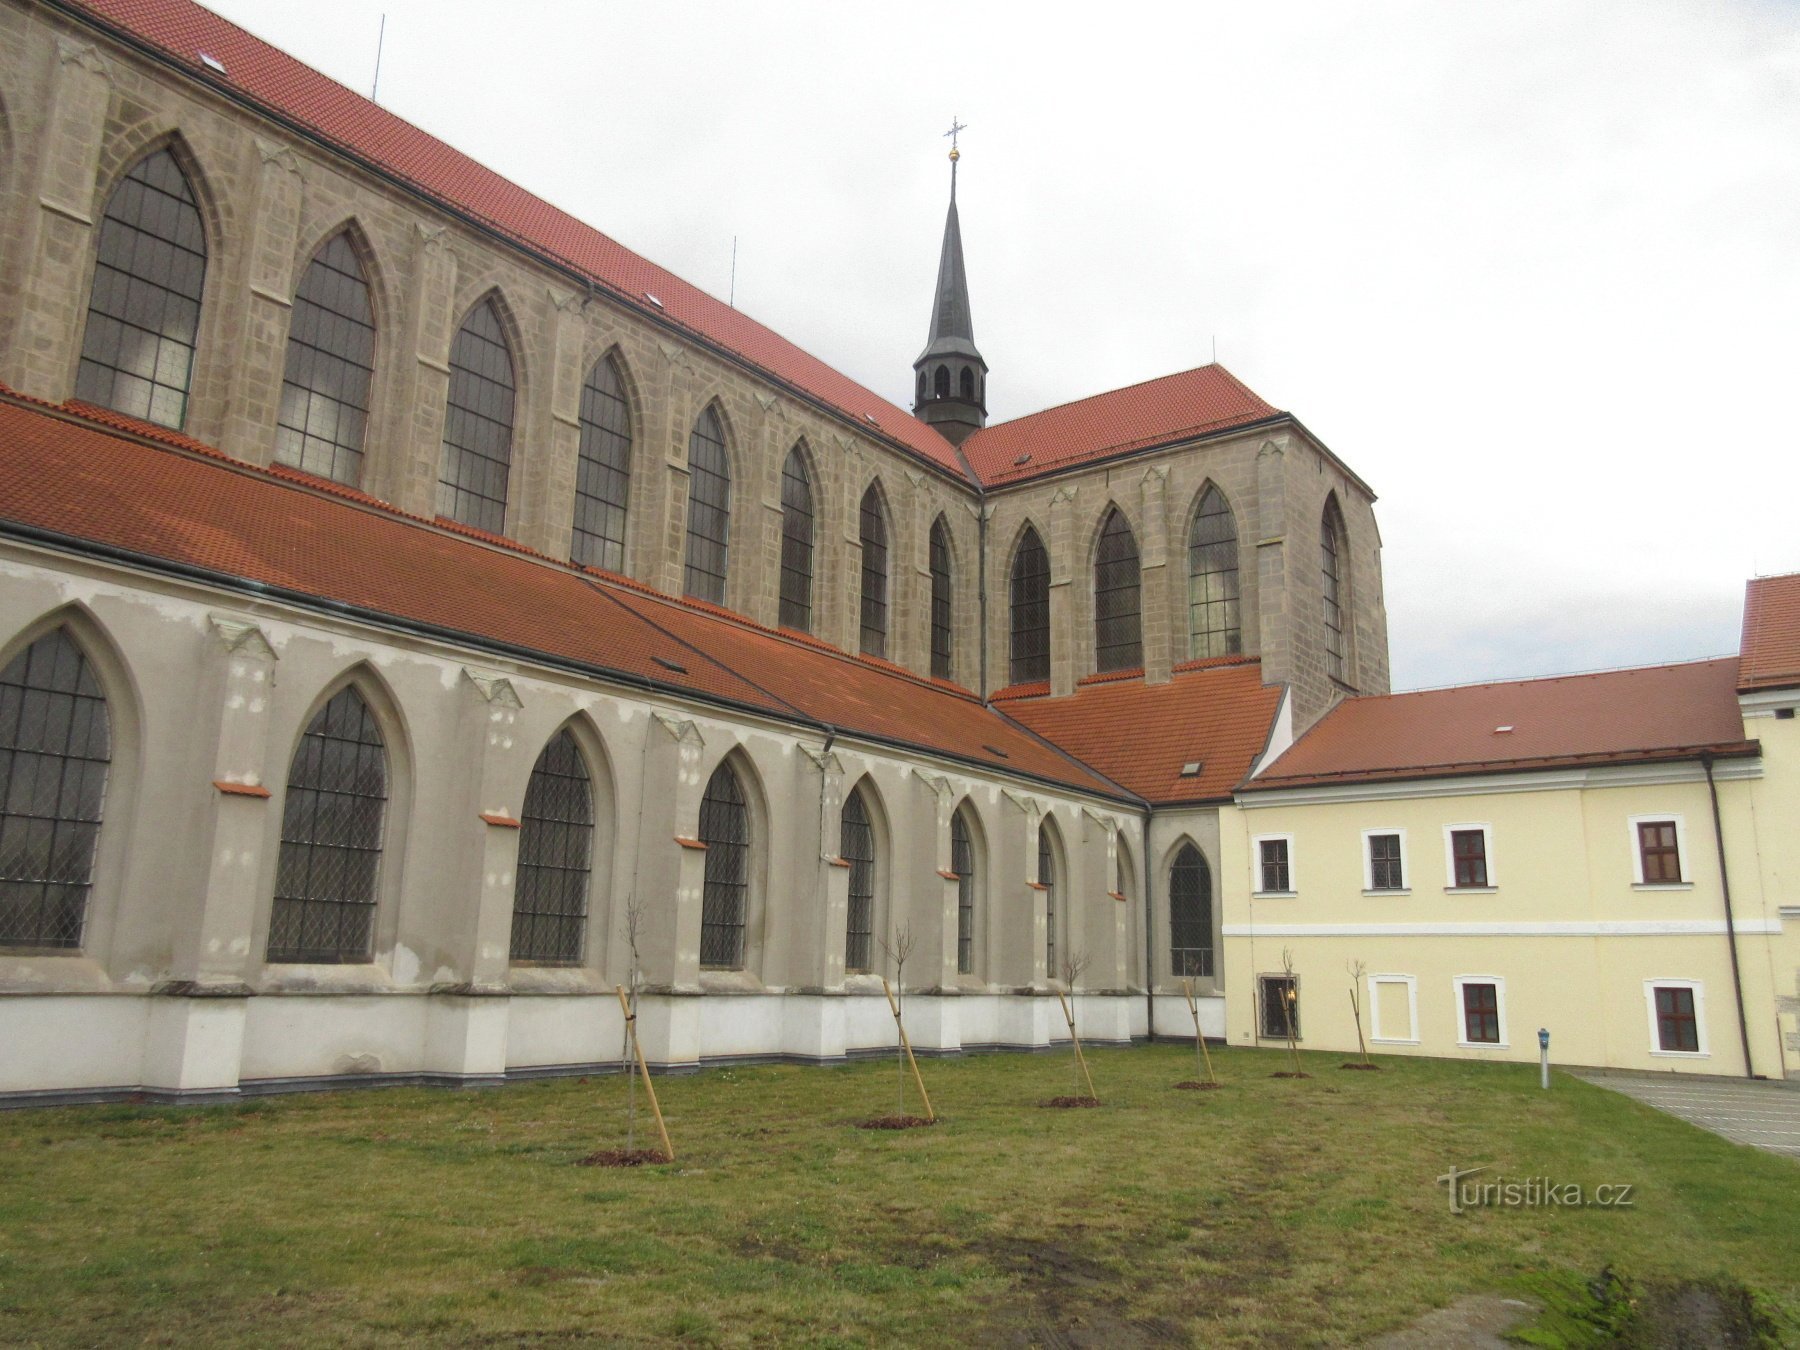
[1187,987]
[906,1044]
[1075,1036]
[643,1068]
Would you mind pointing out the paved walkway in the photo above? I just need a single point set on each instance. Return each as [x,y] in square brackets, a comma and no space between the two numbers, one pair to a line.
[1765,1115]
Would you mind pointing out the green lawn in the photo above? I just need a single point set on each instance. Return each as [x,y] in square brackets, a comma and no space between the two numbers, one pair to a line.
[1276,1211]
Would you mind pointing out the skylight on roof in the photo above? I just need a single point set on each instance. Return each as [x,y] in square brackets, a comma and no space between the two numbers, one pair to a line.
[869,418]
[211,62]
[653,300]
[1192,768]
[1501,730]
[1023,459]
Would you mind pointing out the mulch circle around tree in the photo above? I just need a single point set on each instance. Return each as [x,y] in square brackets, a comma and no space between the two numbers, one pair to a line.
[1362,1068]
[1289,1073]
[622,1157]
[1195,1085]
[1063,1103]
[894,1123]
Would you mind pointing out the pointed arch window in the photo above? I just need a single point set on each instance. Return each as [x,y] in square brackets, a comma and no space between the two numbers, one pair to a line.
[1214,628]
[602,470]
[940,382]
[856,845]
[796,543]
[1118,602]
[331,829]
[143,321]
[874,573]
[330,365]
[1030,610]
[1331,568]
[55,753]
[478,424]
[1190,915]
[966,384]
[1046,874]
[556,839]
[725,902]
[942,611]
[709,510]
[962,863]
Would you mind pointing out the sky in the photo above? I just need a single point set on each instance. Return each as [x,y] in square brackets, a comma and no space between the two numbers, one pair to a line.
[1531,269]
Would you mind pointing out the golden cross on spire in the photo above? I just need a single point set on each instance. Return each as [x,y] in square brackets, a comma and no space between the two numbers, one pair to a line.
[955,126]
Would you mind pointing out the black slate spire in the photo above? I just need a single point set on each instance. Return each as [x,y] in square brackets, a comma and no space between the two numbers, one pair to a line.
[951,377]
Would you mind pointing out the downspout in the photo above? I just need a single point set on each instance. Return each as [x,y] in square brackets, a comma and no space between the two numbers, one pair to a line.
[1149,938]
[1737,978]
[981,550]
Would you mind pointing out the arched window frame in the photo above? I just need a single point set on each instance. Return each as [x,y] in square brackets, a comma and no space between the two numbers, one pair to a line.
[727,827]
[603,468]
[1191,952]
[328,373]
[1029,583]
[859,845]
[798,528]
[940,382]
[1048,879]
[965,385]
[553,882]
[875,536]
[480,420]
[943,602]
[1118,596]
[706,567]
[1334,587]
[966,864]
[1215,619]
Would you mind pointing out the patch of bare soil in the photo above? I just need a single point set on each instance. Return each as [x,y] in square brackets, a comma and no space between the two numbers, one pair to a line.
[1473,1322]
[1063,1103]
[622,1157]
[1195,1085]
[895,1123]
[1677,1314]
[1289,1073]
[1071,1301]
[1362,1068]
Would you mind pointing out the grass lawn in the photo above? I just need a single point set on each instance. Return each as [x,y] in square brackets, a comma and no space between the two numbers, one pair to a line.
[1274,1211]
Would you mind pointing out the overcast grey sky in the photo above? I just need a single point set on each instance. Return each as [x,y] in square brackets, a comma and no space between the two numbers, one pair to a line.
[1532,269]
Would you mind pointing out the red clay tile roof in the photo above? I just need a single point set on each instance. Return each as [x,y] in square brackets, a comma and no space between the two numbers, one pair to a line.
[1769,655]
[1567,721]
[1140,735]
[1157,412]
[292,90]
[161,498]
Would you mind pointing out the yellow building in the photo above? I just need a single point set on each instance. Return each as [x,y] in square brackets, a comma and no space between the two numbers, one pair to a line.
[1609,857]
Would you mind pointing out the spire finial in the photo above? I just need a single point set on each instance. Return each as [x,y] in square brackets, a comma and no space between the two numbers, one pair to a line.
[955,154]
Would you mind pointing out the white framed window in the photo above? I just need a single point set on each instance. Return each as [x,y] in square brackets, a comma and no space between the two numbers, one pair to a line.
[1659,856]
[1394,1009]
[1677,1010]
[1277,1006]
[1384,860]
[1469,857]
[1481,1012]
[1272,857]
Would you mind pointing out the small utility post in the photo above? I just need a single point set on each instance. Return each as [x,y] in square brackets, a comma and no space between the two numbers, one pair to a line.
[1544,1058]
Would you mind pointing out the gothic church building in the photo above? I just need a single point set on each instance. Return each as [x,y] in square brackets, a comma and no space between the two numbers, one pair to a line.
[407,594]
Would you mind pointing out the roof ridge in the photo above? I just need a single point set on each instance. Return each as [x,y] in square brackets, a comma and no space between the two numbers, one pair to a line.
[1123,389]
[1595,673]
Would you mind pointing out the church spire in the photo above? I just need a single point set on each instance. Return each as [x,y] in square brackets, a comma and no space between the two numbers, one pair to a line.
[951,377]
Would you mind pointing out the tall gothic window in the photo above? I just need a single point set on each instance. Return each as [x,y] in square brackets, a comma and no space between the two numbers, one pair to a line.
[143,322]
[556,838]
[942,629]
[796,543]
[874,573]
[966,384]
[940,382]
[1118,606]
[478,424]
[1030,610]
[1331,563]
[330,364]
[331,826]
[725,904]
[602,470]
[1046,875]
[962,863]
[1190,915]
[1213,624]
[856,845]
[709,510]
[55,750]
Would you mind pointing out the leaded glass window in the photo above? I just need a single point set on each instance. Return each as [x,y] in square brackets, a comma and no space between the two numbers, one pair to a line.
[331,829]
[478,424]
[1214,627]
[1046,873]
[1190,915]
[143,322]
[962,862]
[942,632]
[796,543]
[556,838]
[725,904]
[1331,536]
[330,364]
[874,535]
[856,845]
[1118,604]
[55,750]
[709,510]
[1030,610]
[602,470]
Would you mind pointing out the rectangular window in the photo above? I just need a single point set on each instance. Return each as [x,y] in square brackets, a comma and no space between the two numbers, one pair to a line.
[1279,1006]
[1481,1013]
[1468,858]
[1677,1027]
[1659,853]
[1394,1009]
[1276,873]
[1386,871]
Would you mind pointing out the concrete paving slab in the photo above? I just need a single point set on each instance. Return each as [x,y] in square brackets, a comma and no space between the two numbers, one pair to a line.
[1763,1115]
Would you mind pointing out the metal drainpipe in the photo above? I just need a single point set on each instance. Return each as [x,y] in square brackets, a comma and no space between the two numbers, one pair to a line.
[981,550]
[1737,978]
[1149,938]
